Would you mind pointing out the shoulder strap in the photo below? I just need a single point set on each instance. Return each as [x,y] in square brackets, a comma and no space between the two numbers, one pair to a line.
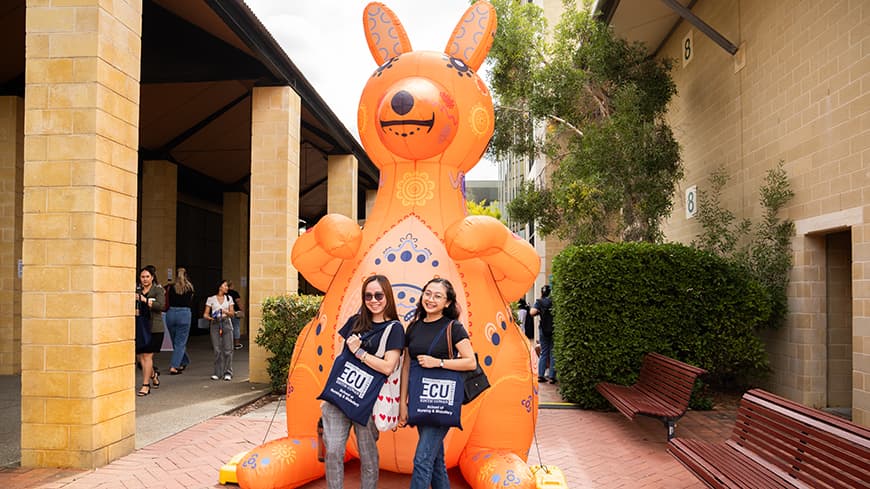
[382,346]
[450,340]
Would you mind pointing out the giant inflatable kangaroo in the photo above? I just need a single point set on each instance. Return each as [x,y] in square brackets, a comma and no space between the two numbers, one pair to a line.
[425,118]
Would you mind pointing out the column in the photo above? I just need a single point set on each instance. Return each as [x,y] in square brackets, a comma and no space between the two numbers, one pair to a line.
[341,185]
[81,116]
[275,139]
[11,188]
[861,321]
[234,259]
[159,203]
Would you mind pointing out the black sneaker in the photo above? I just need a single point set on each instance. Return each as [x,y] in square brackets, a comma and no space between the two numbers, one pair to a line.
[552,381]
[542,380]
[237,346]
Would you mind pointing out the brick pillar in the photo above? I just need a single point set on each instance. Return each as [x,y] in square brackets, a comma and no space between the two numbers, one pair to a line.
[81,138]
[159,214]
[275,139]
[234,261]
[371,196]
[861,321]
[11,188]
[341,185]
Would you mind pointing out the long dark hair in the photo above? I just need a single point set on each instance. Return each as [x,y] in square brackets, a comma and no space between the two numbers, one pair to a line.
[450,312]
[364,323]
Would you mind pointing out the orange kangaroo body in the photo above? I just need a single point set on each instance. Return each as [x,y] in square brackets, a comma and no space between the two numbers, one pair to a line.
[425,118]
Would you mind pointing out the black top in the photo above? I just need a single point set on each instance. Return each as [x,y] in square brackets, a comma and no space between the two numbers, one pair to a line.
[180,300]
[235,295]
[372,339]
[421,334]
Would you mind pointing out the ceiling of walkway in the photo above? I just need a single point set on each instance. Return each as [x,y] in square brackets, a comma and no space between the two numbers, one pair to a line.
[201,60]
[647,21]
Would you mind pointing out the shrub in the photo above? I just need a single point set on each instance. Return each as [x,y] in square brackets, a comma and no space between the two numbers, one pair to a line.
[284,317]
[615,302]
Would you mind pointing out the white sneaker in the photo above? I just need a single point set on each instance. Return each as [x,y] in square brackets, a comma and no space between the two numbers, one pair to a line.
[215,377]
[228,377]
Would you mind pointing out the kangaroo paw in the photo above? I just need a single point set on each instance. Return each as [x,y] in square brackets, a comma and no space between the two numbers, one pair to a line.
[318,253]
[284,463]
[488,469]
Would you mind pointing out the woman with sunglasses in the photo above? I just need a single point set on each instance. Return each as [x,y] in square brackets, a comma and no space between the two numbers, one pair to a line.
[435,310]
[378,311]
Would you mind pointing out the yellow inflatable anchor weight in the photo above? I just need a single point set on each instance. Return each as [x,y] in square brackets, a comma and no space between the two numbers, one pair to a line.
[227,473]
[549,477]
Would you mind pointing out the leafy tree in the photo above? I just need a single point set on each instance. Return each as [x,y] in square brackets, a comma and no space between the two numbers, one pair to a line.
[482,209]
[594,105]
[763,248]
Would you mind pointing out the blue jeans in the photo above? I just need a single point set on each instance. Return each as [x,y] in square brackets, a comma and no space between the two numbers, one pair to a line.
[178,323]
[547,359]
[237,328]
[429,467]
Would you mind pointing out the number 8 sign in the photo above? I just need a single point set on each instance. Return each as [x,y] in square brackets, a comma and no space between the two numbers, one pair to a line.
[691,201]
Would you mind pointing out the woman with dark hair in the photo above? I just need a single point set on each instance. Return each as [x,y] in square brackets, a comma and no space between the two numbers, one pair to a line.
[150,298]
[219,311]
[436,310]
[378,312]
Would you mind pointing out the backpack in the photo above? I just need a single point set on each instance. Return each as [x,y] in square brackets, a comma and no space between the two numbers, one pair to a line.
[546,316]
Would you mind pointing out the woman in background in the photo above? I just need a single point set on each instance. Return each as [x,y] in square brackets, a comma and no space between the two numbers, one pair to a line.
[219,311]
[150,298]
[178,318]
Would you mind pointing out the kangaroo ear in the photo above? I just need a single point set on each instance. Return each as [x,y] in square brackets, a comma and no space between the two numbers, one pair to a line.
[473,35]
[384,33]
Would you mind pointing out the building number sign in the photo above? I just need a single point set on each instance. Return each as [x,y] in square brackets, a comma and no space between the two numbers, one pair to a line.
[688,48]
[691,201]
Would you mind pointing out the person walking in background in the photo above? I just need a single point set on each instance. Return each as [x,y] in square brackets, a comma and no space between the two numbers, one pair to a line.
[219,311]
[543,307]
[525,319]
[237,318]
[150,298]
[436,309]
[178,318]
[378,312]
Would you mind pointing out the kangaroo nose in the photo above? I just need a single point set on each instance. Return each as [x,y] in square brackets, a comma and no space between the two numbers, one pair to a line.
[402,102]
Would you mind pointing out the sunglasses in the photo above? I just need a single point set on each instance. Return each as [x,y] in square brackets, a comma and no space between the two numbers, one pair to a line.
[378,296]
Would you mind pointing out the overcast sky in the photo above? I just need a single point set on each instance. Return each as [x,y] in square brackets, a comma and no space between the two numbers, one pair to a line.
[325,40]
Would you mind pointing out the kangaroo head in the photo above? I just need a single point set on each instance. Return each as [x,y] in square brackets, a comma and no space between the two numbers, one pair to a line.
[425,105]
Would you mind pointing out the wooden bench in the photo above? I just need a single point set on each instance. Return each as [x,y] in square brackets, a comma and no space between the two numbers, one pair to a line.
[662,390]
[780,443]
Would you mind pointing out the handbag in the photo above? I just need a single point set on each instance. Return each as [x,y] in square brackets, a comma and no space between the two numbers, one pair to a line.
[386,409]
[474,381]
[352,386]
[143,329]
[435,394]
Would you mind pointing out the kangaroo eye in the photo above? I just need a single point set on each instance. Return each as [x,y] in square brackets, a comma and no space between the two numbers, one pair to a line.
[461,68]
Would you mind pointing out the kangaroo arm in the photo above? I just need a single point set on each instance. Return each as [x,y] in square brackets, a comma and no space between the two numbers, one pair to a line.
[319,252]
[513,261]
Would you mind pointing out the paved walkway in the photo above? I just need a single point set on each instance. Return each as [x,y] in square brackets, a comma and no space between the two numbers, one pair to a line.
[593,449]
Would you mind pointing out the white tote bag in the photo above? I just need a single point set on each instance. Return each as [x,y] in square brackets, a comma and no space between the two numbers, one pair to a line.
[386,410]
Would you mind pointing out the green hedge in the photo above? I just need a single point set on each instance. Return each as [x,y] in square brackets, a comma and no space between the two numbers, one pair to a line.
[283,319]
[615,302]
